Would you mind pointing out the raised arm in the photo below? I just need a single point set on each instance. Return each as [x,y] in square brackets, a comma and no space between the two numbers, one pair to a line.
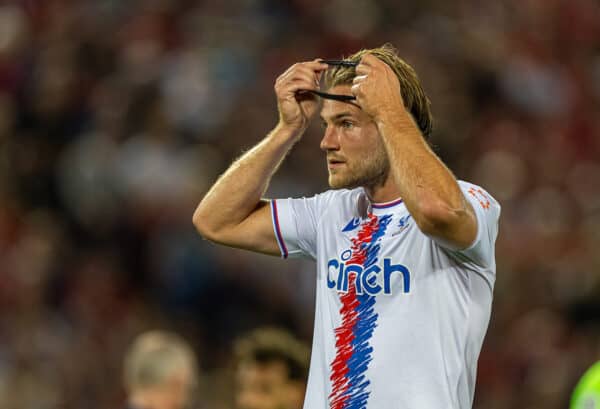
[428,188]
[233,212]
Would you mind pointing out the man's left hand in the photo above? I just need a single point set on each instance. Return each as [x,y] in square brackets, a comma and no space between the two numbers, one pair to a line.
[376,88]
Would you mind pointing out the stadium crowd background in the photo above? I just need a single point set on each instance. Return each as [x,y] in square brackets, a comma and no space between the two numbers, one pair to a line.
[115,117]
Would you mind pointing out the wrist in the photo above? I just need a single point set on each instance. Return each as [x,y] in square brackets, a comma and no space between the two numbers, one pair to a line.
[397,117]
[286,134]
[389,113]
[289,131]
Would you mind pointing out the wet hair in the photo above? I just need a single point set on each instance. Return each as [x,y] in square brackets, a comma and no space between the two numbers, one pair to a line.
[413,95]
[270,345]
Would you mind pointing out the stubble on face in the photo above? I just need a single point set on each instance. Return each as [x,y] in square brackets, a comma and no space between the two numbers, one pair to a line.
[369,171]
[360,158]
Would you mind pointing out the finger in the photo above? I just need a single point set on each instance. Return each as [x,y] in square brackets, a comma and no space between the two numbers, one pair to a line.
[312,66]
[297,85]
[307,71]
[301,76]
[291,68]
[316,65]
[307,77]
[362,69]
[358,79]
[299,72]
[307,83]
[369,60]
[373,63]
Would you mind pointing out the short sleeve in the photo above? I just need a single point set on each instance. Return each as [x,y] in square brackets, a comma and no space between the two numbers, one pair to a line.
[487,211]
[295,222]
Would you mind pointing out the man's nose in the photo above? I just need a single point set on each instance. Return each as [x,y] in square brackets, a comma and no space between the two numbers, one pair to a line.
[330,141]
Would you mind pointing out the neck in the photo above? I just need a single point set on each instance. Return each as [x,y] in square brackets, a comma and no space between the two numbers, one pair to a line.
[385,192]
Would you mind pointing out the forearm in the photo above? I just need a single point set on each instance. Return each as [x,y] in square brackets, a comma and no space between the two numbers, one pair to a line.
[238,192]
[428,188]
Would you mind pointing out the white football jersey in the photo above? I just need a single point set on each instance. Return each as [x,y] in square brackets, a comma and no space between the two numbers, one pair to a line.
[400,316]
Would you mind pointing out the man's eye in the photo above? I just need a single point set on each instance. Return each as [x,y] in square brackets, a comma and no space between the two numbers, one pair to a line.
[347,124]
[324,125]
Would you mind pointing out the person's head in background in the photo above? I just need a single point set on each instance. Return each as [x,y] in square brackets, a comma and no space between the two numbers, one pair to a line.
[272,368]
[160,371]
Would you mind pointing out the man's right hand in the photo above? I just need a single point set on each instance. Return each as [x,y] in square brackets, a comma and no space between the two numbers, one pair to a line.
[297,108]
[233,211]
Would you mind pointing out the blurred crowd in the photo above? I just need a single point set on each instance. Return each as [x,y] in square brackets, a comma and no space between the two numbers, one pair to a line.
[116,116]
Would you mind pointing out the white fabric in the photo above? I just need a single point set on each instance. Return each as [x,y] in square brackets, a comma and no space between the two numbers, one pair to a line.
[415,311]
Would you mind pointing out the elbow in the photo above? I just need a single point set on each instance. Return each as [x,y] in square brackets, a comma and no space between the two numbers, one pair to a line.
[436,217]
[201,222]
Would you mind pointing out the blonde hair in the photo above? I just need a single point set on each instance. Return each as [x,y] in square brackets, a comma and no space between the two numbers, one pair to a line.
[413,95]
[154,356]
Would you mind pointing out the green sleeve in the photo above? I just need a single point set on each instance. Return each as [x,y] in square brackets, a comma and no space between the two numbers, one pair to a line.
[586,394]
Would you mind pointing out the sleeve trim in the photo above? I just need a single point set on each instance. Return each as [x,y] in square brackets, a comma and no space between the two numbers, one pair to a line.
[278,236]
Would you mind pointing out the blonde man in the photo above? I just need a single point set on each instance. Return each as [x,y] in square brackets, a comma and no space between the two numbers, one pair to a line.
[404,252]
[159,372]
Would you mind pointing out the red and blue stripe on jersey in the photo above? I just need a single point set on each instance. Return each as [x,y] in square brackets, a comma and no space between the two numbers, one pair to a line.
[359,319]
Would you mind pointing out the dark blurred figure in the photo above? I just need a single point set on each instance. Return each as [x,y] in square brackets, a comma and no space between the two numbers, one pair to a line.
[271,371]
[160,372]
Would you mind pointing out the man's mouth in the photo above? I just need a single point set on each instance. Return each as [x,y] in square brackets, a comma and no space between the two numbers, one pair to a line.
[334,163]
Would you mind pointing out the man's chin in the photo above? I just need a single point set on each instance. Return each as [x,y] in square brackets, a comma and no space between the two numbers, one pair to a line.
[334,182]
[337,182]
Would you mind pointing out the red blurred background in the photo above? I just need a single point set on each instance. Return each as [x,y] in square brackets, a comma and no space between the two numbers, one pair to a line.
[115,117]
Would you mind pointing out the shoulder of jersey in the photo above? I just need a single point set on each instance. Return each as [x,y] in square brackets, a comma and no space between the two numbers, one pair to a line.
[485,199]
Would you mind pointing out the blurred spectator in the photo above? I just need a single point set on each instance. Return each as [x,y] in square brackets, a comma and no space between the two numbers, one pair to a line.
[272,369]
[160,372]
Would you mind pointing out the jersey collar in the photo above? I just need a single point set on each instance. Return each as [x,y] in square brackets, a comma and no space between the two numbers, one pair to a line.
[364,206]
[386,205]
